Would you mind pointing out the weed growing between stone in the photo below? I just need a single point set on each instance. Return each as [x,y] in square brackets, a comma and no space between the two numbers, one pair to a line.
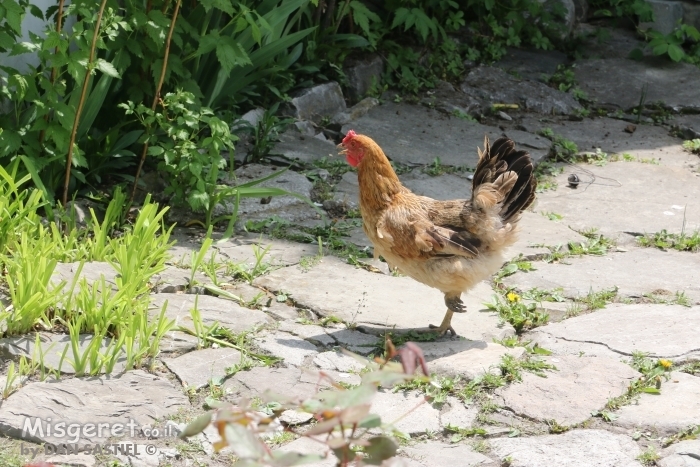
[649,456]
[654,372]
[665,241]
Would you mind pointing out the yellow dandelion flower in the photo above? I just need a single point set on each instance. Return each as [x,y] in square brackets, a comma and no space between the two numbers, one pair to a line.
[512,297]
[665,363]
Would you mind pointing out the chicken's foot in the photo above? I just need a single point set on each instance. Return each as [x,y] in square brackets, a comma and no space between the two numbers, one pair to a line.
[445,326]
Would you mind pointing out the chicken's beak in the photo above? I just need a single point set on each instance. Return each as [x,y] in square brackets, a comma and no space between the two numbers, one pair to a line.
[342,150]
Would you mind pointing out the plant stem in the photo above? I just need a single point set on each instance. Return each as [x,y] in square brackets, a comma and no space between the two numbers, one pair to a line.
[156,97]
[81,102]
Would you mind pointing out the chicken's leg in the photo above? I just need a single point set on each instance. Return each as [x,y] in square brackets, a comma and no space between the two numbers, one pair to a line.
[454,305]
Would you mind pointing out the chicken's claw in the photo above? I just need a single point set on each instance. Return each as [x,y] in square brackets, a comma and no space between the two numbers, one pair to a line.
[442,331]
[455,304]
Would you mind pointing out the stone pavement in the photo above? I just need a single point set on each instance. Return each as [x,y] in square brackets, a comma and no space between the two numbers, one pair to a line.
[304,307]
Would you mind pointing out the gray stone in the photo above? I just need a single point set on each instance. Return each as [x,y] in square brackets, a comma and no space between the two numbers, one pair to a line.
[355,341]
[566,24]
[635,273]
[337,361]
[377,301]
[92,272]
[285,346]
[468,359]
[178,342]
[356,111]
[683,454]
[674,410]
[212,309]
[438,454]
[52,347]
[279,252]
[362,75]
[494,86]
[292,417]
[607,42]
[536,231]
[317,102]
[286,207]
[348,190]
[455,413]
[691,14]
[578,386]
[134,397]
[174,279]
[606,203]
[667,14]
[413,134]
[314,334]
[448,186]
[303,148]
[665,331]
[196,369]
[409,412]
[619,82]
[577,448]
[295,383]
[248,120]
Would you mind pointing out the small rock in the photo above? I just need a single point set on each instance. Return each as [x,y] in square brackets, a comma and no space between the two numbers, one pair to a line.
[292,417]
[362,75]
[248,120]
[356,111]
[305,127]
[667,15]
[630,129]
[504,116]
[317,102]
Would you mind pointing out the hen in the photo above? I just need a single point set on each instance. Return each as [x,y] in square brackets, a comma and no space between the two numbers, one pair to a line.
[448,245]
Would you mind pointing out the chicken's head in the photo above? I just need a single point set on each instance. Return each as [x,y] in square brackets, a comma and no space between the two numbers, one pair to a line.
[353,148]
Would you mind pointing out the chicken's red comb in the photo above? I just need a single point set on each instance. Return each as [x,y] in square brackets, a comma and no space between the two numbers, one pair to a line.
[351,134]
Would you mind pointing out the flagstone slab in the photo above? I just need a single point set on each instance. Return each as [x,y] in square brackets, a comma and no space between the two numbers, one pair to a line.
[635,272]
[569,394]
[576,448]
[674,410]
[123,403]
[663,331]
[377,302]
[196,369]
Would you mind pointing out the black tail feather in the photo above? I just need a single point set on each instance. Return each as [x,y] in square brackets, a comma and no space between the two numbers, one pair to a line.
[502,157]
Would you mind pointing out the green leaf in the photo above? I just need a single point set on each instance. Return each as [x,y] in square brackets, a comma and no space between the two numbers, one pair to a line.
[107,68]
[380,449]
[14,14]
[636,54]
[371,421]
[231,55]
[676,52]
[196,426]
[651,391]
[660,49]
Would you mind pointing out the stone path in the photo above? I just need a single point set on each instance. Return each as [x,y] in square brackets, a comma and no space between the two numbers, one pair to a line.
[302,308]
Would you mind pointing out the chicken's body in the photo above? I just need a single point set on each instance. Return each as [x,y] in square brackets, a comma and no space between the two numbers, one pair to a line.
[448,245]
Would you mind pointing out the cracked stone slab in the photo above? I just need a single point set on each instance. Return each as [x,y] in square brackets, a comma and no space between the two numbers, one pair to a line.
[288,347]
[312,333]
[438,454]
[577,448]
[174,279]
[355,341]
[212,309]
[134,396]
[468,359]
[280,252]
[286,207]
[636,272]
[408,412]
[337,361]
[292,382]
[376,302]
[196,369]
[569,394]
[52,347]
[535,230]
[92,271]
[664,331]
[633,197]
[413,134]
[620,81]
[683,454]
[675,409]
[295,146]
[455,413]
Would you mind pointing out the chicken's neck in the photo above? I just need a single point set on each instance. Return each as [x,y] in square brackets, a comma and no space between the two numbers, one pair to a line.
[378,181]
